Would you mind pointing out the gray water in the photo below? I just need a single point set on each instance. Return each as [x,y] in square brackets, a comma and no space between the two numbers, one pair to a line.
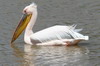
[84,13]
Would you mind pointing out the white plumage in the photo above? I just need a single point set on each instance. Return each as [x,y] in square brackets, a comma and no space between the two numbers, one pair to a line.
[57,33]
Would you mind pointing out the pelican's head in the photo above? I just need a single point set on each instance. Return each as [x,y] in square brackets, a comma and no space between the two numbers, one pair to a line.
[28,11]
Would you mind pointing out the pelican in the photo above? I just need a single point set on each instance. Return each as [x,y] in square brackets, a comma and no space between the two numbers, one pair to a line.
[55,35]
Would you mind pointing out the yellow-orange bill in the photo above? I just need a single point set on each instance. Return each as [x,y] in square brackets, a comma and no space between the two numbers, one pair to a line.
[21,26]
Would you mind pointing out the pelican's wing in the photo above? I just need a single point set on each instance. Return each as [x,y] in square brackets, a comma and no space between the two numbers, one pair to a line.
[56,33]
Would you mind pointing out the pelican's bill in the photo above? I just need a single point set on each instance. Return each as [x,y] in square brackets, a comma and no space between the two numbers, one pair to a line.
[21,26]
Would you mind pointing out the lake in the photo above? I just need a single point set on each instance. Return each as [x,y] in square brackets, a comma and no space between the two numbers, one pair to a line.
[84,13]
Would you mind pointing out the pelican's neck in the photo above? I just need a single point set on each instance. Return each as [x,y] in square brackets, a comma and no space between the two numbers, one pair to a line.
[30,25]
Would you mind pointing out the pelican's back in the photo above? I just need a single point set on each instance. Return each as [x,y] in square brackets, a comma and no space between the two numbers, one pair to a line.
[56,33]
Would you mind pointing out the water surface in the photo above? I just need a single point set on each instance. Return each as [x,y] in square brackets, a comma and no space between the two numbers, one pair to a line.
[84,13]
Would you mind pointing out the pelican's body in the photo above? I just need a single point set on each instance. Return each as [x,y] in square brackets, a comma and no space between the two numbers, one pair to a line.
[56,35]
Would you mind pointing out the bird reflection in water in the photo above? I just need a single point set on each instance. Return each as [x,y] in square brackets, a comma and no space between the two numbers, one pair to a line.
[52,55]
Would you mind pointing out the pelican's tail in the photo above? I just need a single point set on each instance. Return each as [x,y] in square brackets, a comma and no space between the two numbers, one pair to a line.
[83,38]
[86,37]
[75,33]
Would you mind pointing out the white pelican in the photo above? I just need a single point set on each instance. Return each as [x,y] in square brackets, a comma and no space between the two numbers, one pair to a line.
[55,35]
